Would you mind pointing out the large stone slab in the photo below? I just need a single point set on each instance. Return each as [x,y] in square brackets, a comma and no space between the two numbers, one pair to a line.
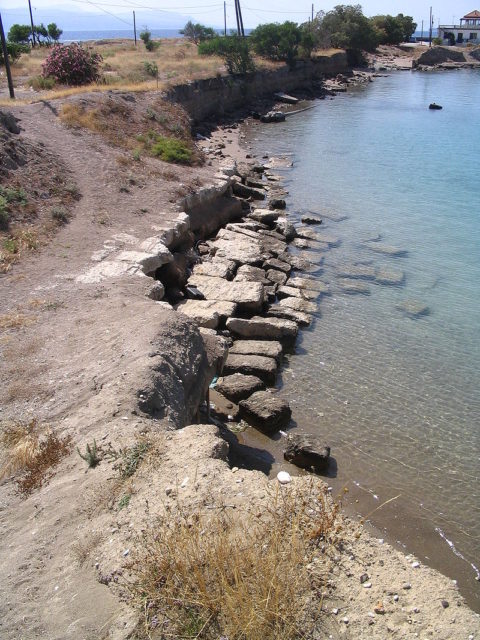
[274,263]
[248,296]
[208,313]
[286,228]
[216,268]
[252,365]
[360,271]
[269,348]
[389,277]
[238,386]
[285,291]
[309,234]
[266,411]
[247,273]
[413,308]
[265,216]
[277,277]
[299,317]
[298,304]
[309,283]
[263,328]
[243,191]
[353,286]
[307,451]
[386,249]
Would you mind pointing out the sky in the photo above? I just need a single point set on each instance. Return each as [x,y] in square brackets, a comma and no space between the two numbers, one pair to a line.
[166,13]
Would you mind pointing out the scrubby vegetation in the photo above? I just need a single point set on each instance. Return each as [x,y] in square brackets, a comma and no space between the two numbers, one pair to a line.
[197,32]
[234,51]
[248,576]
[72,64]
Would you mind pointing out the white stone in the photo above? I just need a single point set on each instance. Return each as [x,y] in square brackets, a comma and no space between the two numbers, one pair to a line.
[283,477]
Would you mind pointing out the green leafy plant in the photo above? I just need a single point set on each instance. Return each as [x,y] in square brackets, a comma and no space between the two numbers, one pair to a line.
[151,68]
[60,214]
[172,150]
[124,501]
[4,215]
[91,455]
[234,51]
[130,459]
[197,32]
[146,36]
[277,41]
[39,82]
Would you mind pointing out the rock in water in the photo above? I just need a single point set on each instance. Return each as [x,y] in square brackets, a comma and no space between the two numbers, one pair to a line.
[306,451]
[266,411]
[238,386]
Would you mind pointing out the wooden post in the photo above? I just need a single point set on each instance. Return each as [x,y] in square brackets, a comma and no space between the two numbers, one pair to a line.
[31,22]
[134,29]
[7,61]
[224,18]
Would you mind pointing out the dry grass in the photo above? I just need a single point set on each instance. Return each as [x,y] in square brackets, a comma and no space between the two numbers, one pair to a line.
[247,576]
[15,320]
[82,549]
[31,452]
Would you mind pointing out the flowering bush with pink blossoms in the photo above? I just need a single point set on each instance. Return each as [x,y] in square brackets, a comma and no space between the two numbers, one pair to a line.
[72,64]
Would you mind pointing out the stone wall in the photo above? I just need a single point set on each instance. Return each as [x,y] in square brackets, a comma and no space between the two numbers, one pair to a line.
[216,96]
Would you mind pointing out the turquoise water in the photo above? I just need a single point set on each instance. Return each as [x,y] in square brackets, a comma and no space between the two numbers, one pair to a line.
[396,397]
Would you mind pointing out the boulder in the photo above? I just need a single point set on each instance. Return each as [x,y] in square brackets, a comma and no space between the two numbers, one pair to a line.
[306,451]
[391,277]
[263,328]
[277,203]
[286,291]
[298,317]
[243,191]
[311,220]
[238,386]
[386,249]
[273,116]
[286,228]
[207,313]
[309,234]
[266,411]
[277,277]
[265,216]
[309,283]
[361,271]
[248,296]
[274,263]
[254,182]
[217,268]
[252,365]
[284,97]
[298,304]
[247,273]
[269,348]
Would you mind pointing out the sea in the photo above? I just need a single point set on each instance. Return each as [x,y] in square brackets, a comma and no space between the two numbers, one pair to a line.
[388,374]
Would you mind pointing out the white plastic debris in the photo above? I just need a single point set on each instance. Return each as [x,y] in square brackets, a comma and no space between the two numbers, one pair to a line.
[283,477]
[184,483]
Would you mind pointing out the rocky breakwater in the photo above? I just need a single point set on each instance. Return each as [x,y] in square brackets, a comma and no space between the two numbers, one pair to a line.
[246,285]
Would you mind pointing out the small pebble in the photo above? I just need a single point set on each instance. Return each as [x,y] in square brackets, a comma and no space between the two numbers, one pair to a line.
[335,612]
[379,609]
[367,585]
[345,620]
[125,553]
[395,597]
[406,586]
[415,565]
[445,604]
[363,578]
[381,541]
[283,477]
[234,469]
[184,483]
[371,614]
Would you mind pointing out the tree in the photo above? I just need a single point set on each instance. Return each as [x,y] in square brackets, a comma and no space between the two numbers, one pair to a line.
[277,41]
[393,30]
[54,32]
[14,51]
[19,34]
[197,32]
[72,64]
[41,34]
[345,27]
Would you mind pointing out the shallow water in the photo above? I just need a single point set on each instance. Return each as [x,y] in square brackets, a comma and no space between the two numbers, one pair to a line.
[396,397]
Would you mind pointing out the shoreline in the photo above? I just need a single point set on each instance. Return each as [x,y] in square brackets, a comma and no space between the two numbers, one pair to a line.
[65,510]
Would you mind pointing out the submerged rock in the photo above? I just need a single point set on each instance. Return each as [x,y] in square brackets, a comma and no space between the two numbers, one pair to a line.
[413,308]
[266,411]
[306,451]
[386,249]
[386,276]
[311,220]
[353,286]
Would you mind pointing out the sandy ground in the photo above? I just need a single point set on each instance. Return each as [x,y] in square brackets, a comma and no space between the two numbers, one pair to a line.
[76,362]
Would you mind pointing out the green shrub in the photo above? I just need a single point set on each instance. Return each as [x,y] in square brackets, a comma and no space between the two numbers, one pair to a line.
[39,82]
[233,49]
[277,41]
[13,195]
[151,68]
[437,41]
[19,33]
[14,51]
[60,215]
[4,215]
[197,32]
[91,455]
[146,36]
[172,150]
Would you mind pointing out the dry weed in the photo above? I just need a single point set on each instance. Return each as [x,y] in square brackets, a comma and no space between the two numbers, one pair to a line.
[15,320]
[31,452]
[83,549]
[247,576]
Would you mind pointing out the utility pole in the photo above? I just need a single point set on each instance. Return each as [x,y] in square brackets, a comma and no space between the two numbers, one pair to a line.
[134,29]
[31,22]
[312,12]
[237,17]
[421,37]
[224,18]
[7,61]
[431,27]
[241,19]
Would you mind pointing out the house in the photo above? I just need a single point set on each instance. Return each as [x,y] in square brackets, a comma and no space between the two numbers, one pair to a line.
[467,32]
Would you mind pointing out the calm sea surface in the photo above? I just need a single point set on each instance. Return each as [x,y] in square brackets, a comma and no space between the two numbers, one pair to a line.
[397,398]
